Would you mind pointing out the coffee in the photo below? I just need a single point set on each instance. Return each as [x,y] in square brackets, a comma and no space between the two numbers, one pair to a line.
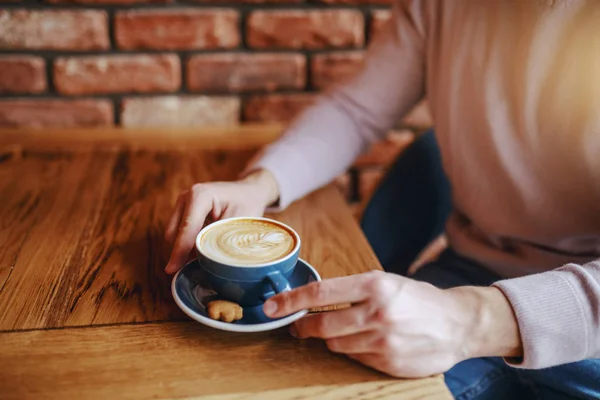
[247,242]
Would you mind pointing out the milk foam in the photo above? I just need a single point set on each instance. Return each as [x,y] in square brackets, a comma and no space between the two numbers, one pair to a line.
[247,242]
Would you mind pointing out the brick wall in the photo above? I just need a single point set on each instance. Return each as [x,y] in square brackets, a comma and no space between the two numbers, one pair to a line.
[138,63]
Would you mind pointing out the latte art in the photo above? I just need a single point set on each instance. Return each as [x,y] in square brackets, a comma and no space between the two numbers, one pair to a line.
[247,242]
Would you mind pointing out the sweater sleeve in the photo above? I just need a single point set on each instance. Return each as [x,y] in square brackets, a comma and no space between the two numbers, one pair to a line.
[558,313]
[331,134]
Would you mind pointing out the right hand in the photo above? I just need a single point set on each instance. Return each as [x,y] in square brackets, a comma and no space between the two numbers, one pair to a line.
[247,197]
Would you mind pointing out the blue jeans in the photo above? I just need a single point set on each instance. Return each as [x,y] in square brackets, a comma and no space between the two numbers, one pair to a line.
[410,209]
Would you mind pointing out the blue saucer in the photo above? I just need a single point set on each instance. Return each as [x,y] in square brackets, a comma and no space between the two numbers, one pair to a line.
[192,294]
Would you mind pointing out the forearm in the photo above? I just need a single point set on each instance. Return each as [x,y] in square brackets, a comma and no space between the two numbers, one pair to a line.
[264,183]
[318,146]
[535,321]
[491,327]
[329,136]
[558,314]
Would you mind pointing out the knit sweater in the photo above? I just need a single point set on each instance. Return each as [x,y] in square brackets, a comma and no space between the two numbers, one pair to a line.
[514,90]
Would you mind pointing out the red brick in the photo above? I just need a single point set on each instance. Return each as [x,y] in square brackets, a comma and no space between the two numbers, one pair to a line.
[177,29]
[276,107]
[378,20]
[22,74]
[117,74]
[40,113]
[54,30]
[249,1]
[242,72]
[419,117]
[356,2]
[299,29]
[334,68]
[385,152]
[117,2]
[173,111]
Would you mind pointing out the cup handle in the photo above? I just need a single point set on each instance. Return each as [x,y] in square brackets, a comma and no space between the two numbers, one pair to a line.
[279,283]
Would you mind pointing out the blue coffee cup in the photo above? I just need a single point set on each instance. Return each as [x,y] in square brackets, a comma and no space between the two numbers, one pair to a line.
[248,285]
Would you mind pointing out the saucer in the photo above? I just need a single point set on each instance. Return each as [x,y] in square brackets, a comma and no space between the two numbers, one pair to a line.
[192,294]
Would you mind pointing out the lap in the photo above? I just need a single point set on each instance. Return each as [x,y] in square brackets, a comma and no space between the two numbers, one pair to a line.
[491,378]
[580,380]
[410,207]
[485,379]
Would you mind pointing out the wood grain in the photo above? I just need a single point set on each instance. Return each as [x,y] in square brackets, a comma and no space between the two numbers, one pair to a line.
[75,140]
[331,239]
[81,234]
[85,307]
[175,360]
[406,390]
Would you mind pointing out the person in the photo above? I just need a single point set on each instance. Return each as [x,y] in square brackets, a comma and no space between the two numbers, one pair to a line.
[512,308]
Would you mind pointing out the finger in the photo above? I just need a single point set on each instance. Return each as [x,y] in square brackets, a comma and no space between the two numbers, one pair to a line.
[217,213]
[359,343]
[228,212]
[375,361]
[197,208]
[334,324]
[171,231]
[232,211]
[348,289]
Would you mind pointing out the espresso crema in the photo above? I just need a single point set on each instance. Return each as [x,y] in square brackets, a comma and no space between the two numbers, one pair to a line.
[247,242]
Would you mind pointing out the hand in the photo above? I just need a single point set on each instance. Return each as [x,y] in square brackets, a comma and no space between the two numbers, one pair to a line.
[400,326]
[247,197]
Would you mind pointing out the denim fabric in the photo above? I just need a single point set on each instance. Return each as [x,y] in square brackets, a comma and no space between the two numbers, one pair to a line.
[491,378]
[410,209]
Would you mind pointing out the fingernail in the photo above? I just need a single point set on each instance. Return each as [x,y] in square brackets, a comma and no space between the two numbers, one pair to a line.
[168,268]
[294,331]
[270,307]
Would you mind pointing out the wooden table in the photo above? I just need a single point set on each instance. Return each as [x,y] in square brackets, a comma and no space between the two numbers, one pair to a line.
[85,307]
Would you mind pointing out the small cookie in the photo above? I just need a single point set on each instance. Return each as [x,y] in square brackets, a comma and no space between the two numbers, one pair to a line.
[225,311]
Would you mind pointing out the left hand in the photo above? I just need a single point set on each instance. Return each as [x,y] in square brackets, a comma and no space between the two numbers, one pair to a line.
[396,325]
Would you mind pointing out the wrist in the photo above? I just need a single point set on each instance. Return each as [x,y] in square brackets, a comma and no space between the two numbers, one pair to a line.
[264,183]
[491,325]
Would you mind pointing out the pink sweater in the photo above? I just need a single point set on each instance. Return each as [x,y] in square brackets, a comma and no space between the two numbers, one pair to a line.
[514,88]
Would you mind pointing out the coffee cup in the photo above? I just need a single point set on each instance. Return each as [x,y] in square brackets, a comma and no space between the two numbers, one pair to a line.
[248,259]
